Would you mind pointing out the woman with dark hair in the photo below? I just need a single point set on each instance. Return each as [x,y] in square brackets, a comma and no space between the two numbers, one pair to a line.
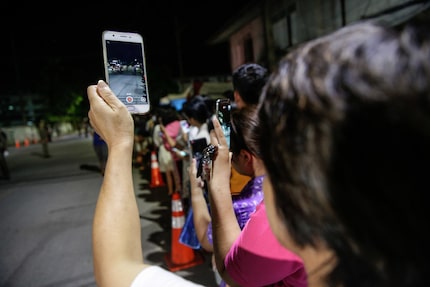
[345,137]
[239,230]
[198,112]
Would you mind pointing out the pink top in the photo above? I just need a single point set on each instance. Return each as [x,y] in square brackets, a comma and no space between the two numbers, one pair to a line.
[173,129]
[258,259]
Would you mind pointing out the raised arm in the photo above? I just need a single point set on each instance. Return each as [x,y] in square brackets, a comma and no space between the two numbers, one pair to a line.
[225,227]
[202,217]
[116,238]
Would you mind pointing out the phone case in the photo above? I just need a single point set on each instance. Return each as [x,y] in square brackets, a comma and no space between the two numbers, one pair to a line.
[125,69]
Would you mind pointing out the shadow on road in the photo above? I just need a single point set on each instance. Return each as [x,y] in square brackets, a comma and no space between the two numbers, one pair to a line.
[90,167]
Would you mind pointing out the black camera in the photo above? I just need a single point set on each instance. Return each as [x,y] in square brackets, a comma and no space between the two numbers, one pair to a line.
[197,147]
[204,166]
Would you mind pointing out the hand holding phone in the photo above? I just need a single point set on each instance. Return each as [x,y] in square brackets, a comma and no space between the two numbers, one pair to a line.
[125,69]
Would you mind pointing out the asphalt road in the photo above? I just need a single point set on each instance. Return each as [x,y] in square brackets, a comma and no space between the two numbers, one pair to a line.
[46,212]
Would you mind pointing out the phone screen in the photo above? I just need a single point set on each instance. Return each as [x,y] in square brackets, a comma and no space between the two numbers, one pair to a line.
[125,69]
[223,113]
[197,147]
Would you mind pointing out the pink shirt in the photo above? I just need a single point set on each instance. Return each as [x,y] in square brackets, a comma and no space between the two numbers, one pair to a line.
[258,259]
[173,129]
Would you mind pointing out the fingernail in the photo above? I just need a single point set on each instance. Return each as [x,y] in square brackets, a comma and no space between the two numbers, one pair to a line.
[102,84]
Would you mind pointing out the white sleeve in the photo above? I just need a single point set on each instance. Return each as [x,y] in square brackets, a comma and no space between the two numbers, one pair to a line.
[156,276]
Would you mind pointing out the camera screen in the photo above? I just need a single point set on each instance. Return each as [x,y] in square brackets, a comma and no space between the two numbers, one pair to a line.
[224,113]
[126,72]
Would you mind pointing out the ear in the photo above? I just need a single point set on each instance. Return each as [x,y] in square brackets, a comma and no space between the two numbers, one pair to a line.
[237,98]
[246,155]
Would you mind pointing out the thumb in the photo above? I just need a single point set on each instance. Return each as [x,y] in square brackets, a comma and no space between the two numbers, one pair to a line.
[107,94]
[193,167]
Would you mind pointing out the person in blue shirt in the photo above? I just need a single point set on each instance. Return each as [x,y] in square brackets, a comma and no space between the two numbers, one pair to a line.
[101,150]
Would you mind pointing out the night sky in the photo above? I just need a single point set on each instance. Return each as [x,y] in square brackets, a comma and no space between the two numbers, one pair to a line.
[46,44]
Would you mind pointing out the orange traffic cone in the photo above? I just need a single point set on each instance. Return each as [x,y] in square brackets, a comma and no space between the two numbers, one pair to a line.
[156,178]
[26,142]
[181,256]
[17,144]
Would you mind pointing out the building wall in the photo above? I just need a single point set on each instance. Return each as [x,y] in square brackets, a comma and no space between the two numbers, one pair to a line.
[253,30]
[309,19]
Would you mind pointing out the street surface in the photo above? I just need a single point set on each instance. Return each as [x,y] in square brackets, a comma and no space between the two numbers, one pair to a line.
[125,85]
[46,212]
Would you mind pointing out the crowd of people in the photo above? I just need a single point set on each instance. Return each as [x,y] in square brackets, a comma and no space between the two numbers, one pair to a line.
[337,140]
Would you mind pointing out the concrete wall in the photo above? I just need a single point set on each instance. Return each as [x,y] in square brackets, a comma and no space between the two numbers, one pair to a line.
[21,134]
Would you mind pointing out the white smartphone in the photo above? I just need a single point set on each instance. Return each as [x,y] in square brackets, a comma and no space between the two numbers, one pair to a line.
[223,111]
[125,69]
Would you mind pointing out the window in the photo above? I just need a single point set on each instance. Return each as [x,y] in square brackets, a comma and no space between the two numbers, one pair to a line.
[248,49]
[284,30]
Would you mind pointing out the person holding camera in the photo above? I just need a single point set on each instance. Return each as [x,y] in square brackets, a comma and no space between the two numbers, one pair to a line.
[246,252]
[243,203]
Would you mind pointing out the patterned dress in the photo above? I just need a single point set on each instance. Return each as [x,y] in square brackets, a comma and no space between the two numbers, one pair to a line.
[245,202]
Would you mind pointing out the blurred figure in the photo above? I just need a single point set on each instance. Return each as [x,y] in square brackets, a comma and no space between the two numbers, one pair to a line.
[86,126]
[165,160]
[197,112]
[168,129]
[248,81]
[43,129]
[3,154]
[143,142]
[101,150]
